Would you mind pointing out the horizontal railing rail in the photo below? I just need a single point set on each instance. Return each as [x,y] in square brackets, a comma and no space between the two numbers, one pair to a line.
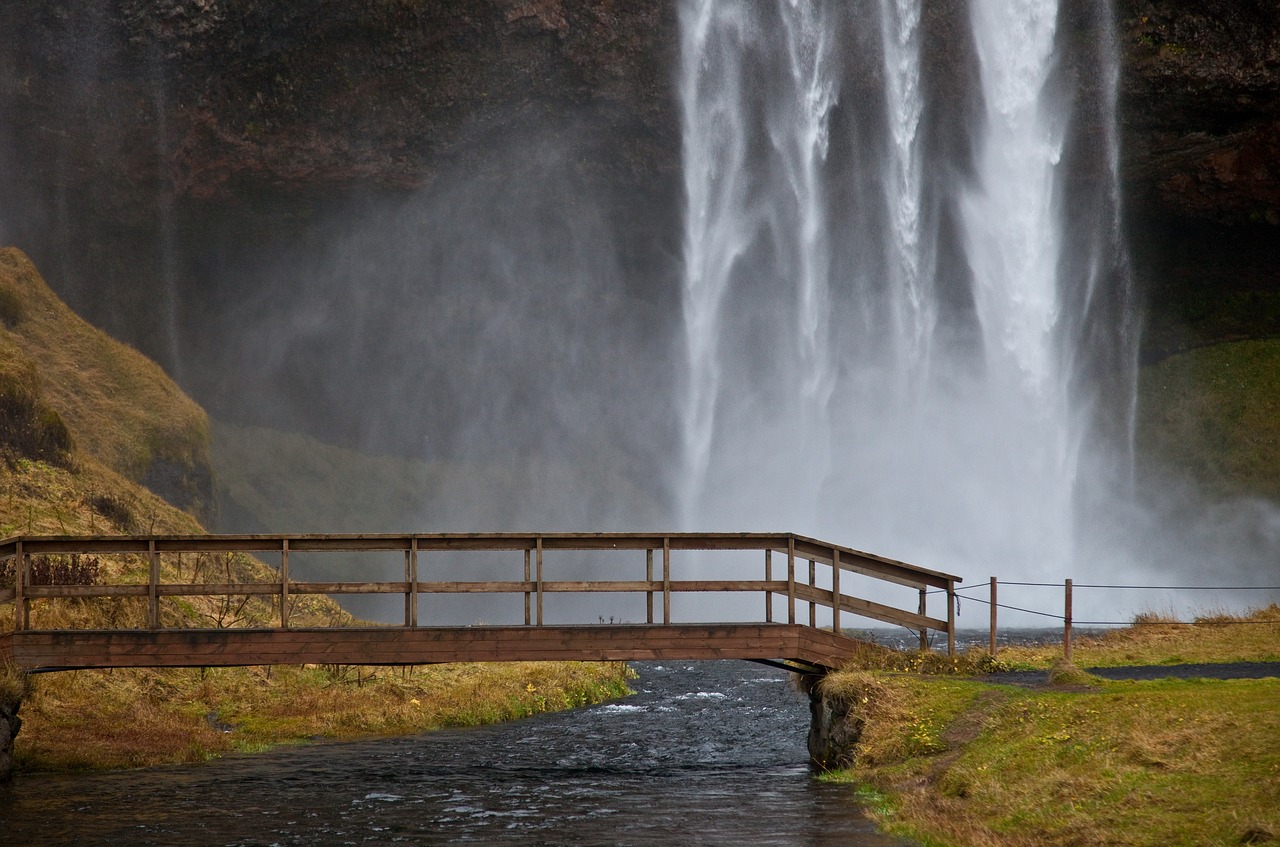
[790,572]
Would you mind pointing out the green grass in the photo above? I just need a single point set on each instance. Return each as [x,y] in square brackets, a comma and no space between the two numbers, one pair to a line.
[955,761]
[1214,414]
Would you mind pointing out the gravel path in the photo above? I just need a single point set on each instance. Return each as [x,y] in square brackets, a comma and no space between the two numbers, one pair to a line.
[1225,670]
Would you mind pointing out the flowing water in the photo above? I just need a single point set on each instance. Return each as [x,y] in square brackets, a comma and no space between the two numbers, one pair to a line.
[704,753]
[888,316]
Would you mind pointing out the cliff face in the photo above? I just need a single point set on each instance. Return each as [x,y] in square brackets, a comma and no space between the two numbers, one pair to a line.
[143,140]
[148,139]
[1200,107]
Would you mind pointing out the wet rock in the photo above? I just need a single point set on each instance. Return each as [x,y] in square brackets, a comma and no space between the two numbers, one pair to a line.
[10,723]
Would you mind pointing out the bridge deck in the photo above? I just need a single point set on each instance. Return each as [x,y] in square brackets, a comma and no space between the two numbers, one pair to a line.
[39,650]
[789,572]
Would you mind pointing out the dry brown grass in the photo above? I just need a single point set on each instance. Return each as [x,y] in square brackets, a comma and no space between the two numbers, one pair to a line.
[131,718]
[1157,638]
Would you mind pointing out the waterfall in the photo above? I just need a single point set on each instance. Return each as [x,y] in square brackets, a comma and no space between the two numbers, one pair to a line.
[883,324]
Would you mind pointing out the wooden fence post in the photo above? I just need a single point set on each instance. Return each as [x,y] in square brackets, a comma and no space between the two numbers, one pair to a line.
[768,577]
[21,605]
[648,577]
[924,633]
[284,583]
[813,584]
[835,590]
[528,597]
[538,565]
[951,617]
[411,561]
[1066,624]
[791,580]
[666,580]
[153,586]
[993,617]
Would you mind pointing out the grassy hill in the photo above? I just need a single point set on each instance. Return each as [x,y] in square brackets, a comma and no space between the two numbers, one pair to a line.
[86,424]
[121,413]
[1214,414]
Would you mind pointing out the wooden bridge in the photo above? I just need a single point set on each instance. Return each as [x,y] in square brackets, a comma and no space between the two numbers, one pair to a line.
[793,575]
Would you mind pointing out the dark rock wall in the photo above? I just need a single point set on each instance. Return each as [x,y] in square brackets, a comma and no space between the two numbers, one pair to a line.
[10,723]
[146,141]
[1200,112]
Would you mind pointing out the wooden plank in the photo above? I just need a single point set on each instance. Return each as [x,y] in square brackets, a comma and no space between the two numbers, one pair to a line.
[96,590]
[7,594]
[397,645]
[153,582]
[870,609]
[347,588]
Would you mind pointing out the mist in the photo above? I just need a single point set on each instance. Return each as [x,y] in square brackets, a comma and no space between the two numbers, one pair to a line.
[888,302]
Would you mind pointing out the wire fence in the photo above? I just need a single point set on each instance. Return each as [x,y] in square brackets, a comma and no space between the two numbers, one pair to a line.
[1066,619]
[963,593]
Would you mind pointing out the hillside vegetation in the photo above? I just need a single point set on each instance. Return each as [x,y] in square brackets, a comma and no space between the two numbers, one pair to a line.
[1214,413]
[84,420]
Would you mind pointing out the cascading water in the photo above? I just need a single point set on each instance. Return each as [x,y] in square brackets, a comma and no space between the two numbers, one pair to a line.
[936,409]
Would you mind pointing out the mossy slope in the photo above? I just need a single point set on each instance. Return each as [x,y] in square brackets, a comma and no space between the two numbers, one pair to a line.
[117,406]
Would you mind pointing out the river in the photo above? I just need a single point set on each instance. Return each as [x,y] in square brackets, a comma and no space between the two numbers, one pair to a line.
[704,753]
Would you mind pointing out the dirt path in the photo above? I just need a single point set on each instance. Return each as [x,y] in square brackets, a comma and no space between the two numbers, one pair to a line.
[1225,670]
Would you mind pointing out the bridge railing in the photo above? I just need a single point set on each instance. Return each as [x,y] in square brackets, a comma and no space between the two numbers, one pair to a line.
[797,572]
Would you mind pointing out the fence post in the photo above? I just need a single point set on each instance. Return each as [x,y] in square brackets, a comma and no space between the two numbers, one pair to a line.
[791,580]
[284,584]
[21,605]
[153,586]
[1066,624]
[666,580]
[951,617]
[813,585]
[768,577]
[835,590]
[528,597]
[411,597]
[648,577]
[538,565]
[924,632]
[993,617]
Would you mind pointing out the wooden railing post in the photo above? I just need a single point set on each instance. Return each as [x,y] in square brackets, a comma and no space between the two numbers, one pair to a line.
[411,577]
[951,617]
[835,590]
[993,617]
[924,633]
[284,584]
[538,565]
[21,605]
[648,577]
[666,580]
[791,580]
[527,596]
[153,586]
[813,584]
[768,593]
[1066,624]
